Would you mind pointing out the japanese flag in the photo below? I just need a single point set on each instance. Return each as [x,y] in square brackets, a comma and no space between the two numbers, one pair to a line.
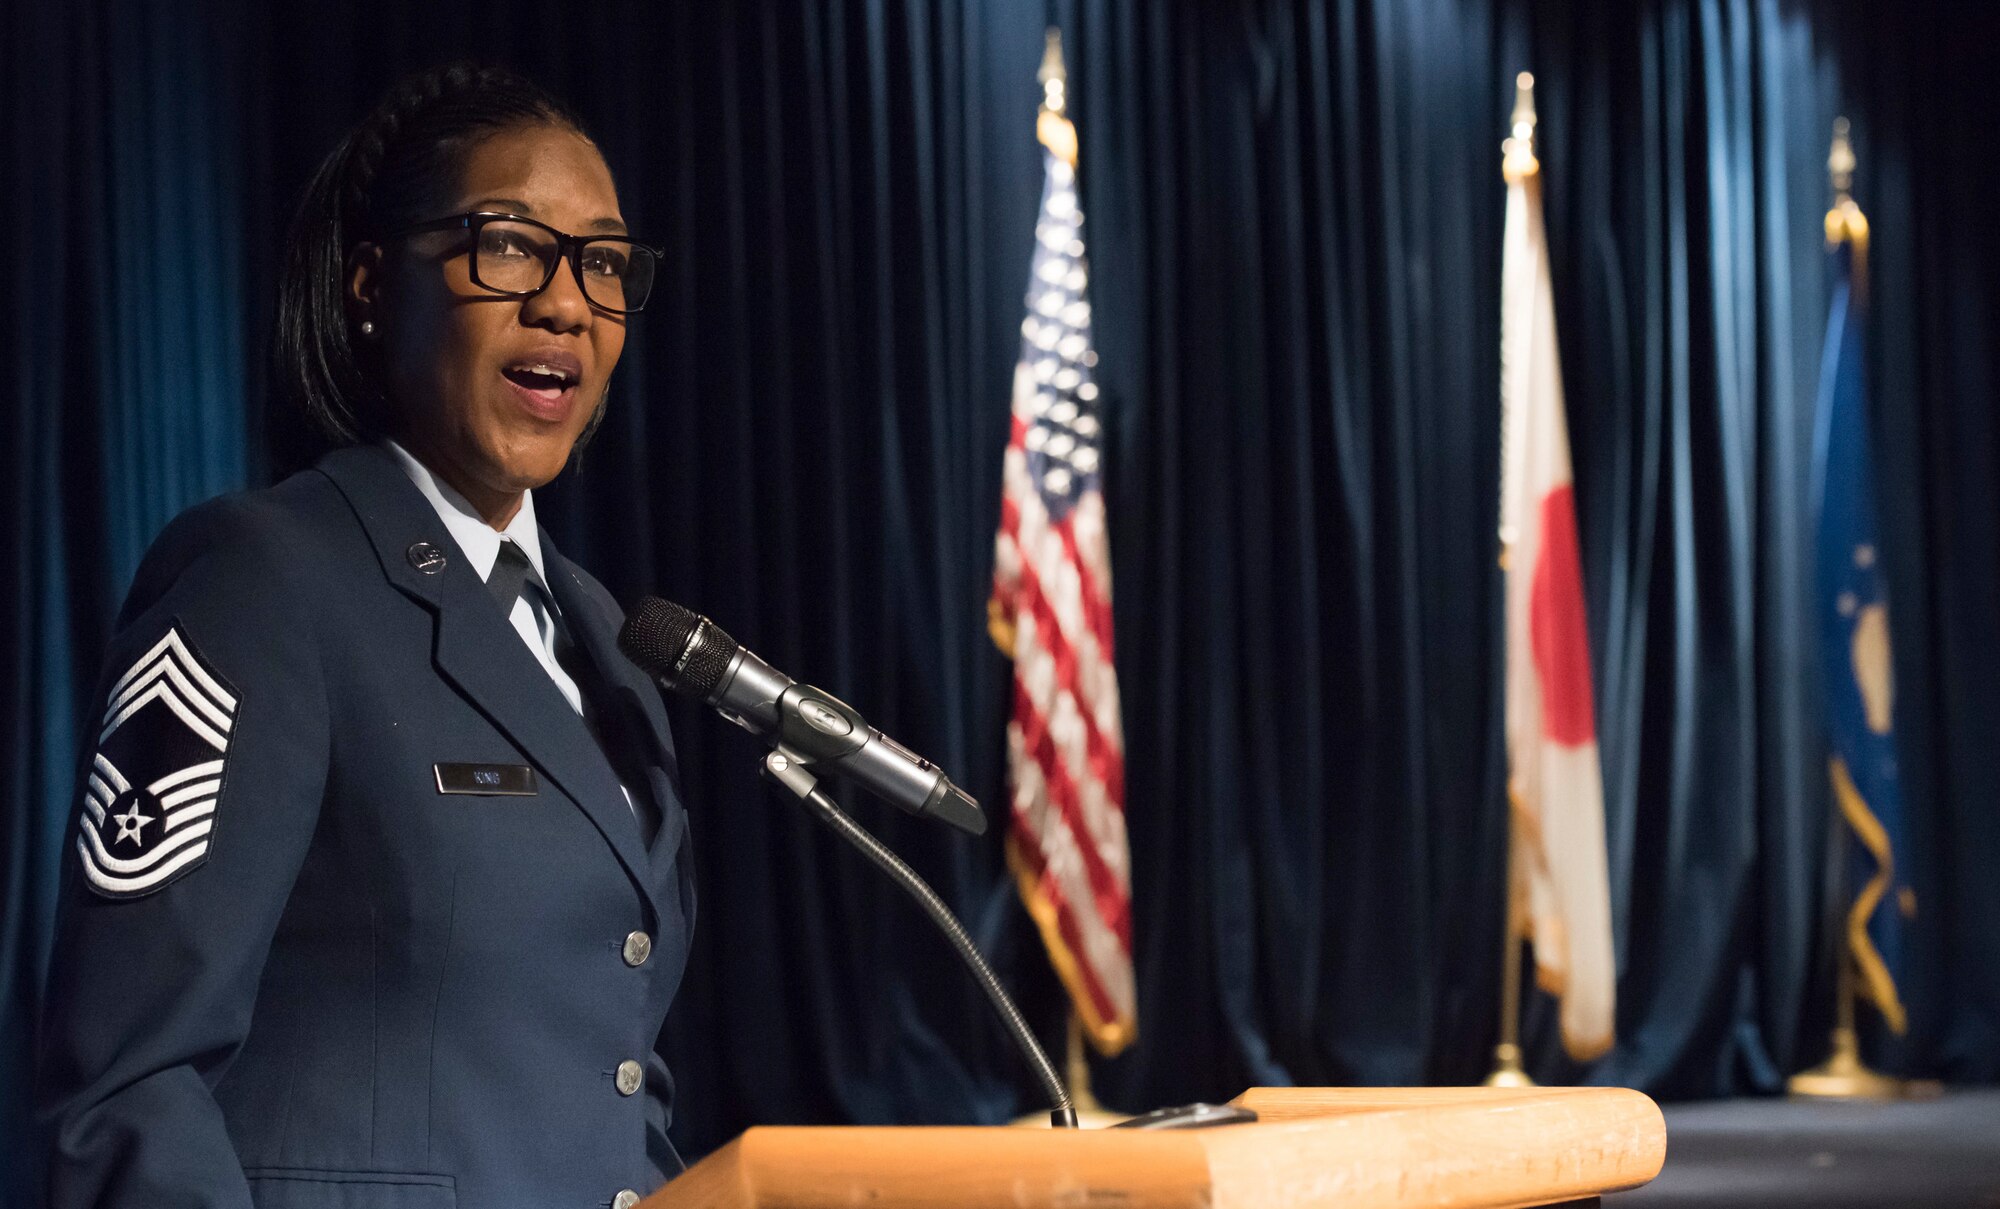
[1561,892]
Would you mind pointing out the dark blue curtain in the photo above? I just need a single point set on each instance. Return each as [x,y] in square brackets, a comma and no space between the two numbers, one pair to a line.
[127,330]
[1939,251]
[1294,214]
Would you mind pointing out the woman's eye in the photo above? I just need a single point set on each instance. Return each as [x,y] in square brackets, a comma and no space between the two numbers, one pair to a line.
[501,243]
[604,262]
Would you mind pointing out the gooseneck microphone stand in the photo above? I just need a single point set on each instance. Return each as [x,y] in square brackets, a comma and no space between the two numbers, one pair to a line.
[790,770]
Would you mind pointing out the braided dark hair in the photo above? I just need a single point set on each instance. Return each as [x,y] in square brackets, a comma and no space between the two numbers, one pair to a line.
[389,171]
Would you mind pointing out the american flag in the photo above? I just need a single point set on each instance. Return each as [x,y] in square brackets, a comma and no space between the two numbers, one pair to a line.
[1051,613]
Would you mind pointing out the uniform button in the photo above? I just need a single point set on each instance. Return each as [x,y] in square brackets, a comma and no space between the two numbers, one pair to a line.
[625,1200]
[638,947]
[630,1077]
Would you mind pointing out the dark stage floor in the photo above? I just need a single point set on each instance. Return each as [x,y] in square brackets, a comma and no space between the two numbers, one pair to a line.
[1943,1152]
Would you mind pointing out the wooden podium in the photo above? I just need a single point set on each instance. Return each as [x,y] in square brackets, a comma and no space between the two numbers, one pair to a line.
[1357,1148]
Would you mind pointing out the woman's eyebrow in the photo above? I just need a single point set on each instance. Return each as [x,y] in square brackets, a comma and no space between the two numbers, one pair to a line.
[514,205]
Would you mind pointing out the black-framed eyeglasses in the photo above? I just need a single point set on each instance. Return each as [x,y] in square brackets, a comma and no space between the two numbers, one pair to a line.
[518,256]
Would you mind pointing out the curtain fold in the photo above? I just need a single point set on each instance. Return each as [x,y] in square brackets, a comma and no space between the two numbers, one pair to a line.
[1293,216]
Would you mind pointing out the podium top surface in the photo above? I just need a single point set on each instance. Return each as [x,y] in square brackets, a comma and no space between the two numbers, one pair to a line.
[1359,1148]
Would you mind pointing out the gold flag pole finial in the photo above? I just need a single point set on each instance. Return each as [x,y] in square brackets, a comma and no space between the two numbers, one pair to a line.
[1518,151]
[1053,77]
[1845,223]
[1053,126]
[1840,161]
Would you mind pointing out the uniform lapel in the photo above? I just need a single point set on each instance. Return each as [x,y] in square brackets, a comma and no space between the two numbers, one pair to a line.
[629,688]
[480,653]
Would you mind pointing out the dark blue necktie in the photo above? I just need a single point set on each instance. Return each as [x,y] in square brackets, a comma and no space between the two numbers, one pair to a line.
[512,573]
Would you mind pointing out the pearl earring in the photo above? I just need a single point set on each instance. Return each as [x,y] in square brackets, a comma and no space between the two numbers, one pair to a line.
[367,327]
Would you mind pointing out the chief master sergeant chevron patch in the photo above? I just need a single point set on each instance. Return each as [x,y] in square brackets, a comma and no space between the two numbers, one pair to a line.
[151,790]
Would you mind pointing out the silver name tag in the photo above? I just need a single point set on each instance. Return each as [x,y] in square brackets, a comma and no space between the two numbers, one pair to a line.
[497,780]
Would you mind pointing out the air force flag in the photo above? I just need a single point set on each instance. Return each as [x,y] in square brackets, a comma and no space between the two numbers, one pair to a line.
[1852,601]
[150,792]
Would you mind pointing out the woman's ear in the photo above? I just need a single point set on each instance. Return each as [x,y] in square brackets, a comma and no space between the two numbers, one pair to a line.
[363,291]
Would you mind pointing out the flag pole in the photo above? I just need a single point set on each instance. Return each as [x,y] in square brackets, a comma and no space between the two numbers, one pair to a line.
[1844,1075]
[1053,128]
[1054,131]
[1089,1112]
[1507,1070]
[1517,162]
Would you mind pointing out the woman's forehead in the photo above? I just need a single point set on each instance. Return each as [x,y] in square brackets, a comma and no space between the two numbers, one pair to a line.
[545,172]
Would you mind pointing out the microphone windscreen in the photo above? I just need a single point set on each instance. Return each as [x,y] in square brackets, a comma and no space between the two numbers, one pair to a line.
[677,645]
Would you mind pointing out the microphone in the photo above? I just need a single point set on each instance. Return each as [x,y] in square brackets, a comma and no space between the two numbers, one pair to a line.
[693,656]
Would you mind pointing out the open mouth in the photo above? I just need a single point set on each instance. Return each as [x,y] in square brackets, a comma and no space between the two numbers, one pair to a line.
[545,381]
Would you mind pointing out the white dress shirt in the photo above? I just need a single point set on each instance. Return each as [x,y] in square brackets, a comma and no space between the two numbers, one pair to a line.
[534,613]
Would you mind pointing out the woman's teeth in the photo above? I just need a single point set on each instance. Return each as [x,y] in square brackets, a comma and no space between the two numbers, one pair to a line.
[540,379]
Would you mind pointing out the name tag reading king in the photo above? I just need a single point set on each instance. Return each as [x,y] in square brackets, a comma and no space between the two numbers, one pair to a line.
[491,780]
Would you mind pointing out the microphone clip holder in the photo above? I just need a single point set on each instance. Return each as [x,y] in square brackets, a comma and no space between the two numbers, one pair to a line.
[791,770]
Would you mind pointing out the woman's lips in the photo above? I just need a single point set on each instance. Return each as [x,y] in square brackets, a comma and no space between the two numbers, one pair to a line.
[543,403]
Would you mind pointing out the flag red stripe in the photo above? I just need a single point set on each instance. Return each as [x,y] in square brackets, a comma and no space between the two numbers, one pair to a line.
[1096,609]
[1050,889]
[1107,763]
[1065,799]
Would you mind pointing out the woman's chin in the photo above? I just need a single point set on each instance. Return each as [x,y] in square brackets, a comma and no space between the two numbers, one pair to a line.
[533,462]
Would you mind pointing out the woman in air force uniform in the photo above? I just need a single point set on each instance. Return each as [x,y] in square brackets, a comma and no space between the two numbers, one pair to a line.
[378,891]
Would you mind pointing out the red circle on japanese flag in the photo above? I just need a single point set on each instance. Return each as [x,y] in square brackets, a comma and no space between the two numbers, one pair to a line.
[1556,625]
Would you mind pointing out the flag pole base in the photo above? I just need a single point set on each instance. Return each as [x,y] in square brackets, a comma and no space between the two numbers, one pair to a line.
[1089,1113]
[1843,1076]
[1507,1070]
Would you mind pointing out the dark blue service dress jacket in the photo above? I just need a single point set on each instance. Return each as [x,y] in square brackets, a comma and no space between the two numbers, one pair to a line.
[354,910]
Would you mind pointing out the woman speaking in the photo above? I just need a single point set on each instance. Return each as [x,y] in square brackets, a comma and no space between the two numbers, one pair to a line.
[378,894]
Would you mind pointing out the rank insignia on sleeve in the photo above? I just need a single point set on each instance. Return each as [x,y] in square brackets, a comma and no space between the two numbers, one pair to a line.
[150,793]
